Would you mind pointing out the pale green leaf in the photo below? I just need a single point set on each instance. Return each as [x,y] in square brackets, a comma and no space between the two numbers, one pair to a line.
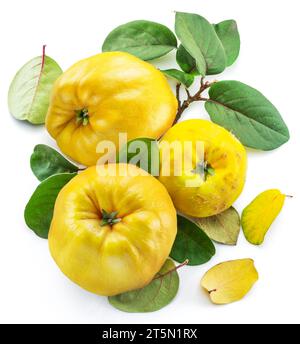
[29,92]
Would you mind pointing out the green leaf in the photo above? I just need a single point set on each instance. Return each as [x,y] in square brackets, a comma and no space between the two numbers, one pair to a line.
[184,78]
[39,210]
[185,61]
[142,152]
[156,295]
[223,228]
[191,243]
[29,92]
[144,39]
[249,115]
[46,161]
[228,34]
[200,40]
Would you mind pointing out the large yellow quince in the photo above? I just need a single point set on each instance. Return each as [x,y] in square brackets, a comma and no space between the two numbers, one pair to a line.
[206,173]
[113,228]
[104,95]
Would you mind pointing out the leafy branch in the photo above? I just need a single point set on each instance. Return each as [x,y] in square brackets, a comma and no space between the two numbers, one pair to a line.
[198,96]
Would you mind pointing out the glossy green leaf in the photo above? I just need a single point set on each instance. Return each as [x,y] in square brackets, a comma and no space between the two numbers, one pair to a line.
[46,161]
[144,39]
[156,295]
[223,228]
[249,115]
[191,243]
[228,34]
[200,40]
[142,152]
[182,77]
[185,61]
[39,210]
[29,92]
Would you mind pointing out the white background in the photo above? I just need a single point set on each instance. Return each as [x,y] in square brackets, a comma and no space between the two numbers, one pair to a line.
[32,289]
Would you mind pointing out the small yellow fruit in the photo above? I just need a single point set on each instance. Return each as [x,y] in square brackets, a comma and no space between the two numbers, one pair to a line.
[111,232]
[104,95]
[206,181]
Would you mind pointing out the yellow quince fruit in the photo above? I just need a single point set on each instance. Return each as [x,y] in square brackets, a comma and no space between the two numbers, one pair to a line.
[113,228]
[203,166]
[104,95]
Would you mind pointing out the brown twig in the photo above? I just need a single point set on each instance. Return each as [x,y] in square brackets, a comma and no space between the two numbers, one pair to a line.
[183,105]
[178,94]
[172,270]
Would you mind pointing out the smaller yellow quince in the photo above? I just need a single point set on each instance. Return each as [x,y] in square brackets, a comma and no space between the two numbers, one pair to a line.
[203,166]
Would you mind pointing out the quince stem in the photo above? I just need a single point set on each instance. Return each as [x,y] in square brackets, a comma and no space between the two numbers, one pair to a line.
[204,169]
[82,116]
[109,219]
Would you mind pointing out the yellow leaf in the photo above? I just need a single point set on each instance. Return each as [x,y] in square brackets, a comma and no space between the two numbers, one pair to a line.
[258,216]
[230,281]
